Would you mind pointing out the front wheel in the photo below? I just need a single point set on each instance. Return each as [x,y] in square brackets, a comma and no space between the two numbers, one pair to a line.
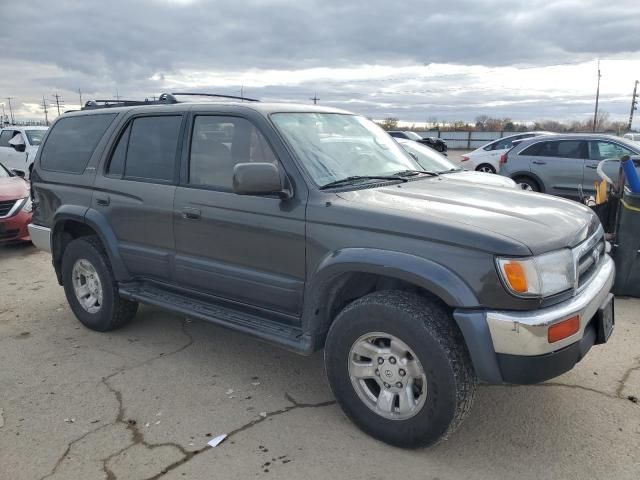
[528,184]
[399,368]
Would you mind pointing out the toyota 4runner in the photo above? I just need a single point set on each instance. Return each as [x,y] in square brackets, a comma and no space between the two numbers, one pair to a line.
[311,228]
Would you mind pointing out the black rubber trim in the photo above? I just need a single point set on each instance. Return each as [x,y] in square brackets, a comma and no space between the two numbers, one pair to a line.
[525,370]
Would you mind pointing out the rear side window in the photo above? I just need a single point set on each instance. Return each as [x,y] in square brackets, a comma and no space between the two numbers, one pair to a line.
[5,136]
[147,149]
[558,148]
[72,142]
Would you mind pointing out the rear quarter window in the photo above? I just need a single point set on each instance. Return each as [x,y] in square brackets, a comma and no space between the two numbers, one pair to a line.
[72,141]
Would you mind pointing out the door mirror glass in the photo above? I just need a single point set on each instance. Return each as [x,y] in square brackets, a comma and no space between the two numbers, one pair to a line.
[21,147]
[258,179]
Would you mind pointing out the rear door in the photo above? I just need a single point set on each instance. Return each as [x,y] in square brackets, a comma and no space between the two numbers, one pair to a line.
[243,248]
[136,189]
[559,164]
[601,150]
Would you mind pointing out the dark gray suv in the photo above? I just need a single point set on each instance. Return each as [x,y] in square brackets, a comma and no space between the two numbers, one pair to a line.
[564,165]
[313,229]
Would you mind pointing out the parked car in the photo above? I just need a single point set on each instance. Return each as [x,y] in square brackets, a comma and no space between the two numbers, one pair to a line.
[486,158]
[436,143]
[15,207]
[564,165]
[18,147]
[436,162]
[634,137]
[311,228]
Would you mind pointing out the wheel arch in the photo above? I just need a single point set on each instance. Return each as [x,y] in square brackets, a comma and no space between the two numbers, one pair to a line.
[529,174]
[351,273]
[71,222]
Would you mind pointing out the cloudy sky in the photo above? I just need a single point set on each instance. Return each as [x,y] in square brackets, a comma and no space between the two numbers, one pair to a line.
[417,61]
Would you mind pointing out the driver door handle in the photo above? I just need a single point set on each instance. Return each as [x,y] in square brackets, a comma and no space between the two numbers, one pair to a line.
[539,162]
[191,213]
[103,201]
[593,167]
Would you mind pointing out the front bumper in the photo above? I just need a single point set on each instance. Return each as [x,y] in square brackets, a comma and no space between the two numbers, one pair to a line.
[525,333]
[14,228]
[40,236]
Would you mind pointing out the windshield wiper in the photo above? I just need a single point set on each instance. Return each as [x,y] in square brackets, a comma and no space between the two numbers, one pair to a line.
[411,173]
[355,178]
[452,170]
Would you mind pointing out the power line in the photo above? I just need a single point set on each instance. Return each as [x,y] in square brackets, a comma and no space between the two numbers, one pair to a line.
[13,120]
[44,106]
[595,114]
[57,97]
[634,102]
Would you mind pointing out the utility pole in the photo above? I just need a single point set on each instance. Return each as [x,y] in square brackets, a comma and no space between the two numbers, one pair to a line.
[117,95]
[3,117]
[634,102]
[80,93]
[242,93]
[13,120]
[315,98]
[57,97]
[44,105]
[595,115]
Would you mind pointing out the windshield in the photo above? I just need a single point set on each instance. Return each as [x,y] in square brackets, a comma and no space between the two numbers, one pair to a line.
[4,173]
[428,158]
[413,136]
[35,136]
[334,146]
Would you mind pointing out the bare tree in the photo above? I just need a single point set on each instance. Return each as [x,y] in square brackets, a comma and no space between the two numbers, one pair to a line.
[390,123]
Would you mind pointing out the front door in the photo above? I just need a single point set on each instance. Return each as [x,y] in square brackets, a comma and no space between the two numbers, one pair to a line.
[9,156]
[246,249]
[136,193]
[601,150]
[559,163]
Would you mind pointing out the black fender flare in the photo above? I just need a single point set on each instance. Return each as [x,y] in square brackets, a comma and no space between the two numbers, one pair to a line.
[98,223]
[427,274]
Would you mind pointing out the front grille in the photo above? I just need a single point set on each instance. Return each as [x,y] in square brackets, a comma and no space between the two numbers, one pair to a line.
[588,257]
[9,234]
[6,206]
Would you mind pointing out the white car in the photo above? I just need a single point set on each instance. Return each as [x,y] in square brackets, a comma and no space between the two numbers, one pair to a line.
[487,158]
[18,147]
[634,137]
[433,161]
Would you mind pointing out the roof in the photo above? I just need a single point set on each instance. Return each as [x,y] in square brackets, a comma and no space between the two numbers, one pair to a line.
[264,108]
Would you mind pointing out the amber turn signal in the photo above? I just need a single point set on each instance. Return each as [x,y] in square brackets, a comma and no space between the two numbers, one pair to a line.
[516,276]
[564,329]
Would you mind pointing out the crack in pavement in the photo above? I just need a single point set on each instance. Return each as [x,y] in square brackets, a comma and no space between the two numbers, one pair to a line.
[625,378]
[190,454]
[118,395]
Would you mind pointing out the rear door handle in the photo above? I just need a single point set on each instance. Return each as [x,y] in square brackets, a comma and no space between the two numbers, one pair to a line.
[538,162]
[191,213]
[104,201]
[592,167]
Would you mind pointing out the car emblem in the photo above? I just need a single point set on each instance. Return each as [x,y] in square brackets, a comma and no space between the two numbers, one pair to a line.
[388,373]
[596,255]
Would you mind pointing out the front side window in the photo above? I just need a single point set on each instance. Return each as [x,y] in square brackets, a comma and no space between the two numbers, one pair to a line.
[334,146]
[73,140]
[152,148]
[218,144]
[602,150]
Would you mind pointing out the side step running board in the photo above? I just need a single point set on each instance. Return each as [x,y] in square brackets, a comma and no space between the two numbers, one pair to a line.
[288,337]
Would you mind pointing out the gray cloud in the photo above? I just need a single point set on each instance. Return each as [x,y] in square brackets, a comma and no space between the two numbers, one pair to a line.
[101,46]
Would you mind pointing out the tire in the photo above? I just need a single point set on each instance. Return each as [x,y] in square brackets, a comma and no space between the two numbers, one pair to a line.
[427,330]
[527,183]
[109,311]
[486,168]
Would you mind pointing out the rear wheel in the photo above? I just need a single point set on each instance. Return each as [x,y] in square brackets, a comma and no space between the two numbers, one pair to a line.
[399,368]
[527,183]
[90,286]
[486,168]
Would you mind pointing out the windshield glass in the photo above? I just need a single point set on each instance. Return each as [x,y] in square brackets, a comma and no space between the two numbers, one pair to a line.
[333,146]
[35,136]
[413,136]
[4,173]
[428,158]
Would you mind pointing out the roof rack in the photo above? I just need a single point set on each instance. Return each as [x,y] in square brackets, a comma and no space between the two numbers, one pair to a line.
[163,99]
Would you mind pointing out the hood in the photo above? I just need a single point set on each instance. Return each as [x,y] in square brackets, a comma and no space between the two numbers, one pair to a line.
[12,188]
[505,221]
[482,178]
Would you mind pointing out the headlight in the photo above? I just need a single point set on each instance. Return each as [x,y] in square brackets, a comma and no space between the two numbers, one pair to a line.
[542,275]
[28,205]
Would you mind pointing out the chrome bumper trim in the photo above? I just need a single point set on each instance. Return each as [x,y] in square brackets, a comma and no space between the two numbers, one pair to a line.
[525,333]
[40,237]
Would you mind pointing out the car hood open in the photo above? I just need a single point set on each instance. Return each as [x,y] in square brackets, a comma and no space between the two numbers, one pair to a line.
[450,208]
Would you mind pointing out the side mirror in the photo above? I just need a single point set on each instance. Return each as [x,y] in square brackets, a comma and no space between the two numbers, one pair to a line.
[20,147]
[17,173]
[258,179]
